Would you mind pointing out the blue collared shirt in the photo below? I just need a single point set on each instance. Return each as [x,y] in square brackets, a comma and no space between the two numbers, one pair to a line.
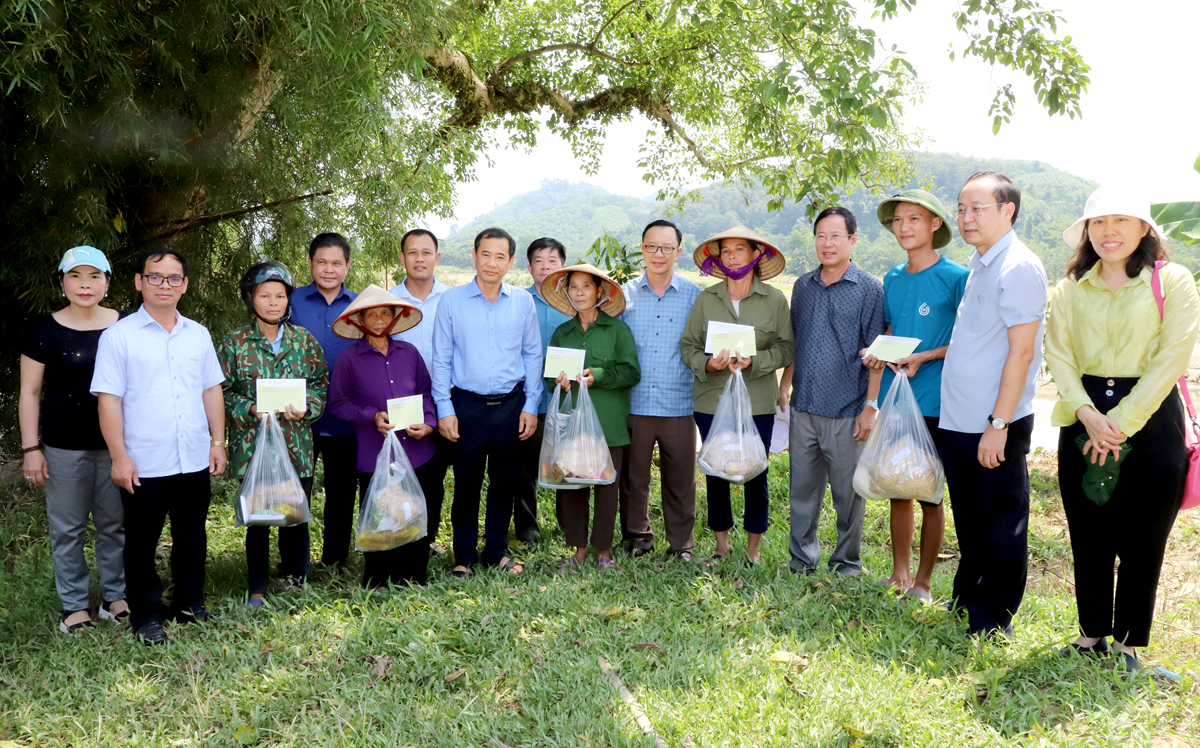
[313,313]
[549,319]
[486,347]
[832,324]
[421,336]
[657,324]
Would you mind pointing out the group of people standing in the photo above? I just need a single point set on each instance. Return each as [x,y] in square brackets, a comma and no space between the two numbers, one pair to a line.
[152,403]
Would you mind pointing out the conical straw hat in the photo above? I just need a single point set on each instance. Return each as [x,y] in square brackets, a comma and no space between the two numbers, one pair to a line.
[348,324]
[554,290]
[771,264]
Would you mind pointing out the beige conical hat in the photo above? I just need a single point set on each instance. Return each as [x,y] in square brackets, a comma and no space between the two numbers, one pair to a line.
[348,325]
[554,290]
[769,266]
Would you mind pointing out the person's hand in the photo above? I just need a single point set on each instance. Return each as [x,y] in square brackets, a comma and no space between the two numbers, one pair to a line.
[738,362]
[870,361]
[255,414]
[563,381]
[586,377]
[717,362]
[382,424]
[292,414]
[34,467]
[528,425]
[864,423]
[419,430]
[124,473]
[216,460]
[448,428]
[911,363]
[784,397]
[991,447]
[1104,435]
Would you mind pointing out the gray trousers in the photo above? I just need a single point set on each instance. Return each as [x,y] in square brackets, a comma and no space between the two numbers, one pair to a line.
[80,484]
[821,449]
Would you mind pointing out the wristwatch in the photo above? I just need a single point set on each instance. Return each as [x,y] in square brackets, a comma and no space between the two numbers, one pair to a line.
[998,423]
[220,444]
[874,404]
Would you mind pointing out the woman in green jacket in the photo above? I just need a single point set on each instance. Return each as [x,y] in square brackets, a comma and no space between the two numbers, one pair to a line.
[743,260]
[594,301]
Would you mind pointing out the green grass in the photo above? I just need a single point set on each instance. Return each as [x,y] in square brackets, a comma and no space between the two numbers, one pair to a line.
[338,667]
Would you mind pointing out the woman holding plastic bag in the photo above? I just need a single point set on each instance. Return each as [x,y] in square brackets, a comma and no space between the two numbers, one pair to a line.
[744,261]
[591,447]
[367,375]
[270,347]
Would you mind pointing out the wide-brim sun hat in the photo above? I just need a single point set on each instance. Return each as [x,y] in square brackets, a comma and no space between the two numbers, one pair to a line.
[554,290]
[1109,201]
[770,264]
[84,255]
[348,324]
[927,200]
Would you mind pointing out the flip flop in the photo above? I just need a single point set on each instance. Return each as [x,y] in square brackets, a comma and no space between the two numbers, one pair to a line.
[510,565]
[461,573]
[570,562]
[606,563]
[919,594]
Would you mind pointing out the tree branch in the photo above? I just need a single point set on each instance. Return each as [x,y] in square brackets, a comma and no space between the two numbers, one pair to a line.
[183,225]
[606,24]
[589,49]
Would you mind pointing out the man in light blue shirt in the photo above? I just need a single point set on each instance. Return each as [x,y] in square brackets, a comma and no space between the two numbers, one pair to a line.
[487,377]
[657,306]
[545,255]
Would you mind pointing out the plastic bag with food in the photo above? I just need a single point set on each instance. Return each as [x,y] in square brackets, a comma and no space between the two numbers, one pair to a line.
[555,430]
[581,456]
[393,512]
[899,460]
[734,450]
[271,493]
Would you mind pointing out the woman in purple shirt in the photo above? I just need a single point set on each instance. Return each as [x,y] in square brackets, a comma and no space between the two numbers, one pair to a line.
[367,375]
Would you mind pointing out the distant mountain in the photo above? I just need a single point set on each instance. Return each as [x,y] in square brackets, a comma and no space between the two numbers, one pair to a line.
[577,213]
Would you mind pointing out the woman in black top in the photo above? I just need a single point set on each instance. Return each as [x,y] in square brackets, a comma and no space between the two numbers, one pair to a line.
[71,461]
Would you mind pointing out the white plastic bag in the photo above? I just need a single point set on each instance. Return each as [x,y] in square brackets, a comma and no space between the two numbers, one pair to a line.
[581,456]
[734,450]
[555,430]
[393,512]
[899,460]
[271,493]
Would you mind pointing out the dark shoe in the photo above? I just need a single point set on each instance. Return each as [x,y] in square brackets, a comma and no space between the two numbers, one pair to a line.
[529,537]
[74,628]
[461,573]
[196,613]
[1097,650]
[684,556]
[639,552]
[107,615]
[151,633]
[1129,661]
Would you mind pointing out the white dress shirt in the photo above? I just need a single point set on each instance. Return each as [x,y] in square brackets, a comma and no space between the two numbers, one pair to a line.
[160,378]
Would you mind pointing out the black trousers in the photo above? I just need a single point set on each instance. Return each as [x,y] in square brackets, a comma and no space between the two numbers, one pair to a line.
[991,519]
[294,550]
[488,439]
[185,498]
[1135,523]
[525,521]
[408,563]
[339,453]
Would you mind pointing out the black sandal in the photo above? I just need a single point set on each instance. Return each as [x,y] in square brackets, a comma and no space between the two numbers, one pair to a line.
[508,564]
[74,628]
[108,615]
[461,573]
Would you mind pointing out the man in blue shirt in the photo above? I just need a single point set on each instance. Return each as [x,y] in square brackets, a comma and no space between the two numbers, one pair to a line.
[657,306]
[921,299]
[487,384]
[315,307]
[545,255]
[837,310]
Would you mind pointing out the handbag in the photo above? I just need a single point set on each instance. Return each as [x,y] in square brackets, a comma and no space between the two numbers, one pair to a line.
[1191,436]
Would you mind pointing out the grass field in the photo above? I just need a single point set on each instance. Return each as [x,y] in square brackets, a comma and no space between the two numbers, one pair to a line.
[727,656]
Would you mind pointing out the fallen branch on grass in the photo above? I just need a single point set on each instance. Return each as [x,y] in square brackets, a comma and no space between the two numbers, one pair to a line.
[638,715]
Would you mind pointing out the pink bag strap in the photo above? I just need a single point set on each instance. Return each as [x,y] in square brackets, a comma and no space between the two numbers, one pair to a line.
[1156,286]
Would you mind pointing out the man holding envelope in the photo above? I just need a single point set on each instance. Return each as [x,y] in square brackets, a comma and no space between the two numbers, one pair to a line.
[921,298]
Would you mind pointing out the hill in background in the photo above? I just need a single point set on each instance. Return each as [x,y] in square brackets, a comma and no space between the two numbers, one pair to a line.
[577,213]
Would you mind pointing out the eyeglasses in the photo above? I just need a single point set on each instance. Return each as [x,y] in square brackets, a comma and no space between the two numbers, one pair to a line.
[174,281]
[976,210]
[658,249]
[822,238]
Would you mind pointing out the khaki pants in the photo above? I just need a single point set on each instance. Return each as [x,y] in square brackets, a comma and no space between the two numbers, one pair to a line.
[676,439]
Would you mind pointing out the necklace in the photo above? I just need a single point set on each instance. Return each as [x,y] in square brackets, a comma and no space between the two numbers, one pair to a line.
[71,311]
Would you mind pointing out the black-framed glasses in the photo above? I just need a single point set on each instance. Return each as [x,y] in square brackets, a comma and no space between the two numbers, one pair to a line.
[658,249]
[174,281]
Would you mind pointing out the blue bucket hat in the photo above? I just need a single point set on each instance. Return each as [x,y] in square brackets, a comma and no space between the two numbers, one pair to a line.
[84,255]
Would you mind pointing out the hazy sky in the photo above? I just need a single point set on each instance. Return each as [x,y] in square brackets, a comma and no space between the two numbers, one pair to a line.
[1140,124]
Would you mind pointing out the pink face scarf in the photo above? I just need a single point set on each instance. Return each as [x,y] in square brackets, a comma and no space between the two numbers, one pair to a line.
[706,267]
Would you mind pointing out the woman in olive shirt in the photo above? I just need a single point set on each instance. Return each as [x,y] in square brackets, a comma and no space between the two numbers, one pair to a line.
[1115,361]
[743,260]
[593,300]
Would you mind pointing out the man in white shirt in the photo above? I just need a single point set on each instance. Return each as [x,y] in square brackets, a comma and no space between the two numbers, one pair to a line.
[988,383]
[163,417]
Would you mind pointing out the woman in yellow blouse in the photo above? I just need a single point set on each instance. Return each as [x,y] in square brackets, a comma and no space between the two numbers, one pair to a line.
[1116,364]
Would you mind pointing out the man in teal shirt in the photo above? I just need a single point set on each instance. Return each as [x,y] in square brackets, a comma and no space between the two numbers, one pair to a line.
[920,300]
[545,255]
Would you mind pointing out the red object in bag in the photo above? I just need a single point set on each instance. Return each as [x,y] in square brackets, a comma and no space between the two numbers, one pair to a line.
[1191,436]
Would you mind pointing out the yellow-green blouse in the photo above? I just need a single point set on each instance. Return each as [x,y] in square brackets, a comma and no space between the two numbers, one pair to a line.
[1095,330]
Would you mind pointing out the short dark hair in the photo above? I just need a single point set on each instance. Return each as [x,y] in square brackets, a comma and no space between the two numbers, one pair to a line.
[545,243]
[1149,250]
[159,253]
[495,233]
[1004,192]
[846,214]
[665,223]
[417,232]
[329,239]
